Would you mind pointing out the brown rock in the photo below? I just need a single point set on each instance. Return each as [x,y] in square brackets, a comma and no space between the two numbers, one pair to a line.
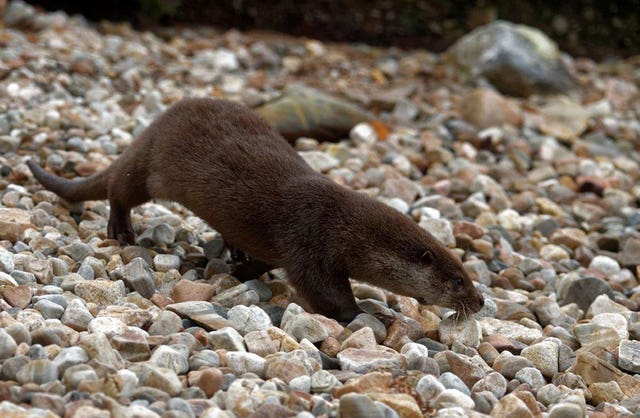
[405,405]
[362,338]
[18,297]
[13,223]
[402,188]
[571,237]
[330,346]
[473,230]
[563,119]
[269,410]
[529,400]
[369,383]
[500,343]
[209,380]
[160,300]
[485,108]
[403,330]
[83,65]
[462,366]
[605,392]
[595,370]
[511,406]
[186,290]
[284,368]
[508,365]
[488,352]
[630,254]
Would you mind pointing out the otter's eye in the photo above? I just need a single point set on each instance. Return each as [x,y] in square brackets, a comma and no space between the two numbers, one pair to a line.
[458,282]
[427,257]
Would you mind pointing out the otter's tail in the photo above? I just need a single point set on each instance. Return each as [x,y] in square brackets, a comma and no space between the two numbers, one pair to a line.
[90,188]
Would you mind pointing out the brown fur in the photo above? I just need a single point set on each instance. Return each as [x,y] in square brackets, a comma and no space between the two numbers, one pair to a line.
[229,167]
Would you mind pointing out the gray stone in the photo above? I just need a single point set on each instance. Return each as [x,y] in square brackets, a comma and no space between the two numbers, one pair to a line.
[139,277]
[38,371]
[517,59]
[175,357]
[48,309]
[583,291]
[242,362]
[353,405]
[8,345]
[364,361]
[226,338]
[68,357]
[323,382]
[166,262]
[629,355]
[204,359]
[531,376]
[165,323]
[451,381]
[366,320]
[246,319]
[76,316]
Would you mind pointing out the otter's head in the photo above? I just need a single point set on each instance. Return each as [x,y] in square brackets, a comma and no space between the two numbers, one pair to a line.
[410,261]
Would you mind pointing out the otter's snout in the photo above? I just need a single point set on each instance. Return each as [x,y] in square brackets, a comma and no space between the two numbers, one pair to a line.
[477,302]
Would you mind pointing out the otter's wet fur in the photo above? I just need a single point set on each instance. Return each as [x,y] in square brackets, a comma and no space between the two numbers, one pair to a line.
[229,167]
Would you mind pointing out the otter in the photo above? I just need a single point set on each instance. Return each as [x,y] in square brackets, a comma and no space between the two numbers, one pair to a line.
[232,169]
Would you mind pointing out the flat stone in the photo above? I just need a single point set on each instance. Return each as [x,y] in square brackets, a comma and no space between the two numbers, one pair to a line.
[510,330]
[365,361]
[544,357]
[186,290]
[629,355]
[101,292]
[38,371]
[209,379]
[246,319]
[8,345]
[18,296]
[242,362]
[511,406]
[404,405]
[226,338]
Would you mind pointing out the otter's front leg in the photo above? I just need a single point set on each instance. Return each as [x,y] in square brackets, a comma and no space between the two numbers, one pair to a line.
[327,293]
[247,268]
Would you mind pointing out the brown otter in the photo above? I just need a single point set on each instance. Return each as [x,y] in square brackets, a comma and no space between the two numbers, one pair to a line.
[228,166]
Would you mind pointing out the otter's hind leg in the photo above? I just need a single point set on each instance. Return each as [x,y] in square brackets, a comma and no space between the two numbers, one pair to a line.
[126,190]
[120,227]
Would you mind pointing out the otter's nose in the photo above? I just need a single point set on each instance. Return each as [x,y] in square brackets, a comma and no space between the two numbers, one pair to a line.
[481,299]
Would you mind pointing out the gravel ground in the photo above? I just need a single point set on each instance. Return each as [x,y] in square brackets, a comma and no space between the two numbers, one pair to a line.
[540,196]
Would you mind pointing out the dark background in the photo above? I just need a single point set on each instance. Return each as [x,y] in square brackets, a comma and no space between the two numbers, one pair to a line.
[596,28]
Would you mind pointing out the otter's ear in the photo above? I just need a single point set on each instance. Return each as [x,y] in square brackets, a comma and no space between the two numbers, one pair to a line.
[427,257]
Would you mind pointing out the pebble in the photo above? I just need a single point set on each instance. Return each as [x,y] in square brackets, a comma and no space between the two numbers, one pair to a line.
[101,292]
[174,357]
[354,405]
[364,361]
[39,371]
[544,357]
[8,345]
[467,332]
[246,319]
[226,338]
[241,362]
[453,397]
